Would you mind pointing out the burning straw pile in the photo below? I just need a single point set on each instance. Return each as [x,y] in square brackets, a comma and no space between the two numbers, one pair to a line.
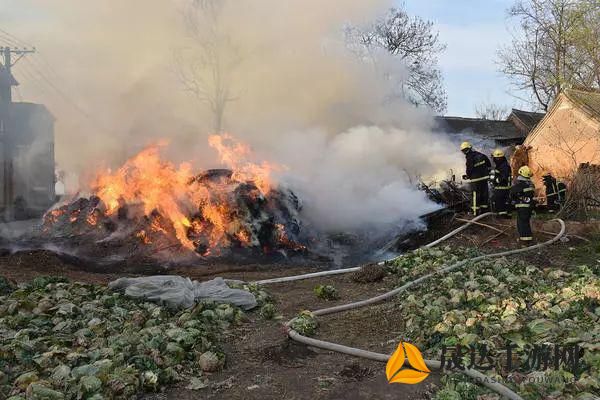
[150,206]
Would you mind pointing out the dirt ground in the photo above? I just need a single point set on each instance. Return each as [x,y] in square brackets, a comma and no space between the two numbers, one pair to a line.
[263,364]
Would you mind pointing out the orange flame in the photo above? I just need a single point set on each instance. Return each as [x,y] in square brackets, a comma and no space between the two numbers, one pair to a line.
[235,156]
[187,206]
[154,184]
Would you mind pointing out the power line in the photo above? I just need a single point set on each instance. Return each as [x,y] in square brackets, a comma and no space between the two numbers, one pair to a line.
[39,59]
[16,39]
[55,88]
[66,98]
[37,67]
[9,41]
[30,77]
[36,64]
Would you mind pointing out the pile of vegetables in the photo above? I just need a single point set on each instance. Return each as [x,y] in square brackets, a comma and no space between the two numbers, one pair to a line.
[265,301]
[305,323]
[492,302]
[326,292]
[65,340]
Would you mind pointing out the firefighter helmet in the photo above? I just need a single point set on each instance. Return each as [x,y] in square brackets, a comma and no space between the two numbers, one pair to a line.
[498,153]
[525,171]
[465,145]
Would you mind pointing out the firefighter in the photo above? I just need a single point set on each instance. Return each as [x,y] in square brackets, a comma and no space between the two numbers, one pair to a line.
[522,195]
[478,173]
[500,176]
[556,192]
[552,200]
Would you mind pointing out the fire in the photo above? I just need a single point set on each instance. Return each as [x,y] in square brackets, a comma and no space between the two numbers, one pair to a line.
[151,183]
[53,215]
[235,155]
[198,211]
[143,237]
[92,218]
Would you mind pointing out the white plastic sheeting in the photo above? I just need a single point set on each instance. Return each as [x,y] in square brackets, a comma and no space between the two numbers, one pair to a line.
[179,292]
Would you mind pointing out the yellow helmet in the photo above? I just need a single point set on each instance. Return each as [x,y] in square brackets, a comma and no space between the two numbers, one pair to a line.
[525,171]
[498,153]
[465,145]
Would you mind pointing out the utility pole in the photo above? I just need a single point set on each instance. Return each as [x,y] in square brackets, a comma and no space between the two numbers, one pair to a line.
[7,81]
[8,63]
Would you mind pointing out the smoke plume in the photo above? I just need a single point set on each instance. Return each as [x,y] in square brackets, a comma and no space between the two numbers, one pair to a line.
[294,92]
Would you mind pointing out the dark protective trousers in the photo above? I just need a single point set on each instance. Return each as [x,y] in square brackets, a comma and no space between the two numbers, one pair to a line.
[480,198]
[524,223]
[552,202]
[501,200]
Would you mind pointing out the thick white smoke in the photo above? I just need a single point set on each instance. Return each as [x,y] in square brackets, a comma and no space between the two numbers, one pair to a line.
[365,175]
[297,95]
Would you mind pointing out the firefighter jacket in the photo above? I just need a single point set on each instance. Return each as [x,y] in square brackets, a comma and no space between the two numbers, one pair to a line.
[522,193]
[551,186]
[501,174]
[478,166]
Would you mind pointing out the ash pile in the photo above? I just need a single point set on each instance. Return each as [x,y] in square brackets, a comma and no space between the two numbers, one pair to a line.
[231,219]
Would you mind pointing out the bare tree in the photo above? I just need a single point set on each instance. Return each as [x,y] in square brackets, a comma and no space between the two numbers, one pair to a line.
[552,51]
[587,44]
[206,67]
[491,111]
[412,40]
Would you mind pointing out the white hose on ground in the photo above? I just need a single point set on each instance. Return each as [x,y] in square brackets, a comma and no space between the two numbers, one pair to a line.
[459,264]
[354,269]
[457,230]
[433,364]
[478,376]
[306,276]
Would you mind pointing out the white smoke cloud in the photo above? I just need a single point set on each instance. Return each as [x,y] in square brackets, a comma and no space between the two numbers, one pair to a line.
[365,175]
[300,98]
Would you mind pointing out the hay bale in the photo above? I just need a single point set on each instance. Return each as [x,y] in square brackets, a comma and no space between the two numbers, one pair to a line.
[519,158]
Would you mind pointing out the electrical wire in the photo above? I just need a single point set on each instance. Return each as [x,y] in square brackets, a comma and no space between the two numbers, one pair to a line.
[34,63]
[15,39]
[8,41]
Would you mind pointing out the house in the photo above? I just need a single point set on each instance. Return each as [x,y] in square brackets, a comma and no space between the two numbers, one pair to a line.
[26,155]
[489,134]
[525,121]
[567,137]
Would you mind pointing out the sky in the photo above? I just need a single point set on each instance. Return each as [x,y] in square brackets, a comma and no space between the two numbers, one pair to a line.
[473,31]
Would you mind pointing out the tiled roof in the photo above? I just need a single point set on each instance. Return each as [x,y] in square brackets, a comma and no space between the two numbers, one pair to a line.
[528,118]
[490,129]
[590,101]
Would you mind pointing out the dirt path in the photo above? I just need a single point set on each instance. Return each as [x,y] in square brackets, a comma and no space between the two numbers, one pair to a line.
[264,364]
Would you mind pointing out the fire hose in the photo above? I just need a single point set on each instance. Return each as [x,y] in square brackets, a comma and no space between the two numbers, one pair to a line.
[354,269]
[478,376]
